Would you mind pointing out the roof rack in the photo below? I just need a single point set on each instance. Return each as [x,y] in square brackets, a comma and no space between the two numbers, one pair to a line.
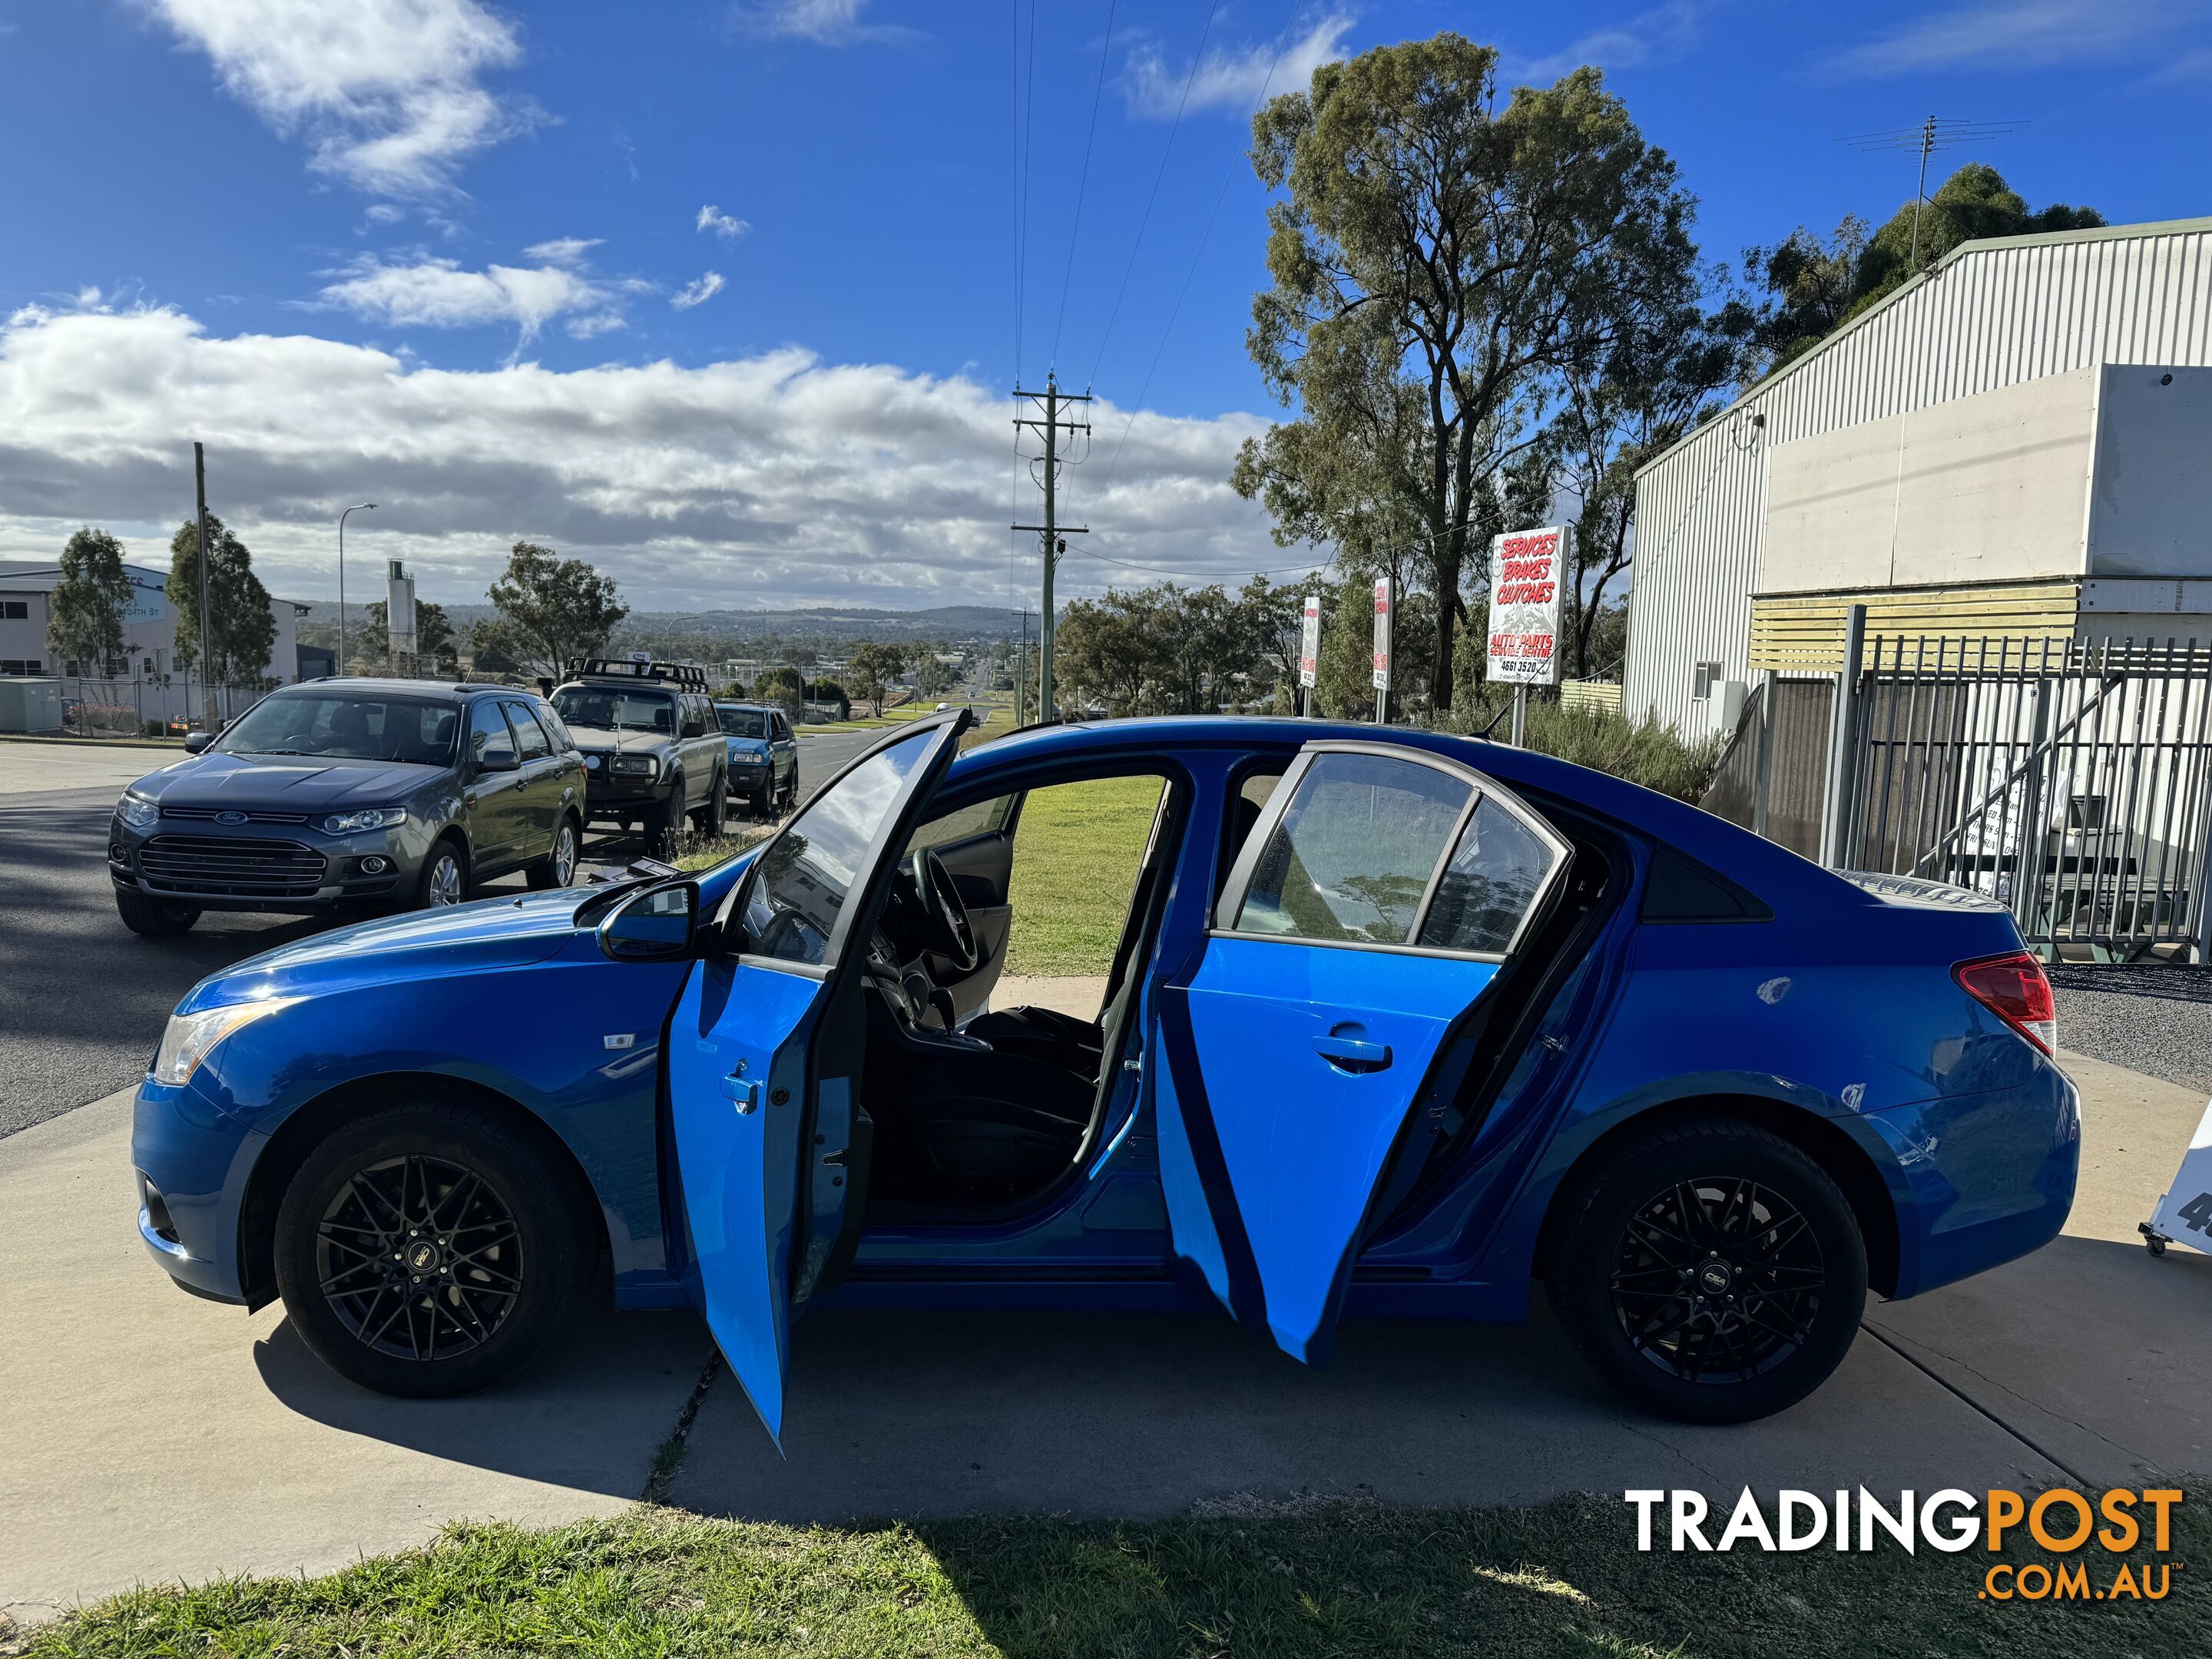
[687,675]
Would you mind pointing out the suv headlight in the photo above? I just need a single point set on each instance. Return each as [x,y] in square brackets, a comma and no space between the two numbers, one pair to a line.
[139,812]
[369,818]
[190,1038]
[635,766]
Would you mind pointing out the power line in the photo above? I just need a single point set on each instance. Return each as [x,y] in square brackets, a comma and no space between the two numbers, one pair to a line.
[1084,184]
[1189,81]
[1937,132]
[1026,102]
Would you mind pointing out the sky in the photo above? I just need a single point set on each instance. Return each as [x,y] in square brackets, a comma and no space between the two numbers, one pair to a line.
[729,296]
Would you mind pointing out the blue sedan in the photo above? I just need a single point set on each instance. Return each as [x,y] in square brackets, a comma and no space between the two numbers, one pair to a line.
[1397,1024]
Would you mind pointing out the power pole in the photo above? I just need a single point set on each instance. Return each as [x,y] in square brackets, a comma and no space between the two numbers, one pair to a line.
[211,706]
[1022,670]
[1051,531]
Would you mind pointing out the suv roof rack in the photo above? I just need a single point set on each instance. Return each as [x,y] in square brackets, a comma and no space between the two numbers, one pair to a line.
[684,674]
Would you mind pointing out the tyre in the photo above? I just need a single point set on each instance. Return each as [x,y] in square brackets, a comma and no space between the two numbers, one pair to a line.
[444,877]
[1709,1270]
[658,827]
[432,1248]
[153,918]
[558,868]
[712,816]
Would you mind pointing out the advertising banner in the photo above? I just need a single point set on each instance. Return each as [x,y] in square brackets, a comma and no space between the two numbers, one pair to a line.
[1382,608]
[1529,571]
[1309,642]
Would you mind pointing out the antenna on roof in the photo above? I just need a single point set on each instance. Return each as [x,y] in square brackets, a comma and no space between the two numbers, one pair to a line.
[1937,132]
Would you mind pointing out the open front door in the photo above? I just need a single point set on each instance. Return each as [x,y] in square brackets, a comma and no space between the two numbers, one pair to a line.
[1370,907]
[762,1139]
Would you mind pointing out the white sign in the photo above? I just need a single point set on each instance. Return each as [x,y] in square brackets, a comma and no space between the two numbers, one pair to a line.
[1382,608]
[2185,1214]
[1309,642]
[1528,574]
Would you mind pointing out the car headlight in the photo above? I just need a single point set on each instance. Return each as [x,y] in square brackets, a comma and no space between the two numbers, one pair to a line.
[190,1038]
[139,812]
[591,763]
[636,766]
[369,818]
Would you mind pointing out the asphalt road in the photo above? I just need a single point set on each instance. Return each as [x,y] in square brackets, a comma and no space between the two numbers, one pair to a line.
[82,1000]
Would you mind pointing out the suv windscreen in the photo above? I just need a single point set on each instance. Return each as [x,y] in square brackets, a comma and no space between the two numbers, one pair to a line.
[743,722]
[346,725]
[607,706]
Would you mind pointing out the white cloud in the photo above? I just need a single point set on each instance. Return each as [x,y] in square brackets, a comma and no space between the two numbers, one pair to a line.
[1662,32]
[722,224]
[2021,34]
[698,293]
[1230,77]
[563,250]
[825,23]
[386,93]
[435,293]
[774,479]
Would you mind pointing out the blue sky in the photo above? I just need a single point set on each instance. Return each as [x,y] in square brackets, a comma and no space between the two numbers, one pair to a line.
[724,294]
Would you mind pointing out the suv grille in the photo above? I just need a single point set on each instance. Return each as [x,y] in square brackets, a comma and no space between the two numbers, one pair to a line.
[220,866]
[207,814]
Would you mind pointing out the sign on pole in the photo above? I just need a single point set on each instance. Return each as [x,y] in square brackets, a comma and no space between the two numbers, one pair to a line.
[1309,643]
[1528,574]
[1382,633]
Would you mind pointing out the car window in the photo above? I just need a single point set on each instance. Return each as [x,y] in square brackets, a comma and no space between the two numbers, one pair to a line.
[782,725]
[609,706]
[551,721]
[808,871]
[982,818]
[1352,857]
[342,725]
[743,722]
[1492,882]
[535,744]
[487,732]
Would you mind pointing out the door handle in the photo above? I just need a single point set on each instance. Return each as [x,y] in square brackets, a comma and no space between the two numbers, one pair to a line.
[742,1093]
[1351,1055]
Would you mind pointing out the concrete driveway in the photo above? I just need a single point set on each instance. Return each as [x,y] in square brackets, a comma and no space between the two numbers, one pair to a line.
[152,1436]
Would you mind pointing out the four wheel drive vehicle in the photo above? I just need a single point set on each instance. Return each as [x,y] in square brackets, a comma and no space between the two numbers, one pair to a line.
[347,793]
[763,756]
[1393,1027]
[654,751]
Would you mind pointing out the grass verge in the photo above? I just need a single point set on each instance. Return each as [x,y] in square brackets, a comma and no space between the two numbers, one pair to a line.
[1075,862]
[1337,1579]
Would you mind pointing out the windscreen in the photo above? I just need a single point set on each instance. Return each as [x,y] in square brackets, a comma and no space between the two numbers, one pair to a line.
[342,725]
[743,722]
[610,706]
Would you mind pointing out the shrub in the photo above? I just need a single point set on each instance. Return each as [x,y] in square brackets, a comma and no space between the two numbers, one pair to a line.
[1642,751]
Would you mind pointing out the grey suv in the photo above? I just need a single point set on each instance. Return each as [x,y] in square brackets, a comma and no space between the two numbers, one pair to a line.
[653,748]
[351,793]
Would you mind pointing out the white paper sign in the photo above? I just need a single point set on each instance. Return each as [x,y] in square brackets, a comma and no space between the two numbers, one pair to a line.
[1309,642]
[1382,633]
[2185,1214]
[1528,574]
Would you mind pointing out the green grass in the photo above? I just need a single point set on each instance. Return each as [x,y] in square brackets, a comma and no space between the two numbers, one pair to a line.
[1075,861]
[1294,1580]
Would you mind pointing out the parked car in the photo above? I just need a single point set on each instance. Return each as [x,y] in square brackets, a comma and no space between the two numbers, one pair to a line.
[1397,1023]
[763,756]
[653,748]
[345,794]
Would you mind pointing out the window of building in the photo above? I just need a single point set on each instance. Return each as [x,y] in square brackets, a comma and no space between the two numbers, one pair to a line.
[15,610]
[22,666]
[1708,675]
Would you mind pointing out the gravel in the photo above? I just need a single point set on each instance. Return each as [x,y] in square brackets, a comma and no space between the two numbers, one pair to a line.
[2156,1020]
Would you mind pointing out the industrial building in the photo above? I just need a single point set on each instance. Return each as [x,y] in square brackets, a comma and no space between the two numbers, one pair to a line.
[2015,445]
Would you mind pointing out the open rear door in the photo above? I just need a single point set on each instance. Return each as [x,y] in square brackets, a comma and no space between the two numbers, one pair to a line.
[761,1143]
[1370,907]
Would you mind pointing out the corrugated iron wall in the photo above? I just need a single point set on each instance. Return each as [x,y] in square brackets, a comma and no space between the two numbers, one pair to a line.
[1990,314]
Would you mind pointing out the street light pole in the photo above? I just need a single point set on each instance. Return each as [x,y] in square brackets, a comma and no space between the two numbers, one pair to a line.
[361,507]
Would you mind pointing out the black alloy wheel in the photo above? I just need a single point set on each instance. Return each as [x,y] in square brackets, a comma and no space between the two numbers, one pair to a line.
[1708,1269]
[417,1253]
[434,1248]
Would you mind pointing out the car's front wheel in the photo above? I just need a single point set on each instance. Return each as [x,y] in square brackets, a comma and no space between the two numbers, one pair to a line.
[430,1249]
[558,868]
[1710,1270]
[714,811]
[445,878]
[153,918]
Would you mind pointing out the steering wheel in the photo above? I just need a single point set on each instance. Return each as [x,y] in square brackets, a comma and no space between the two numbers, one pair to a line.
[948,914]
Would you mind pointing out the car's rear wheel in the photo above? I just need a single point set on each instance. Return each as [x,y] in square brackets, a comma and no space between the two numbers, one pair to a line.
[153,918]
[431,1248]
[1711,1271]
[558,868]
[444,877]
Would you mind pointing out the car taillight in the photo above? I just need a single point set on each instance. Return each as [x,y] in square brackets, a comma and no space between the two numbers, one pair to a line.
[2013,988]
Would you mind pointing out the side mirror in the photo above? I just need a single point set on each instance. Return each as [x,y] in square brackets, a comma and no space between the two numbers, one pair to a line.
[499,760]
[654,924]
[195,741]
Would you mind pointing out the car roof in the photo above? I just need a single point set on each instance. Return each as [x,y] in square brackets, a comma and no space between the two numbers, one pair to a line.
[437,691]
[748,708]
